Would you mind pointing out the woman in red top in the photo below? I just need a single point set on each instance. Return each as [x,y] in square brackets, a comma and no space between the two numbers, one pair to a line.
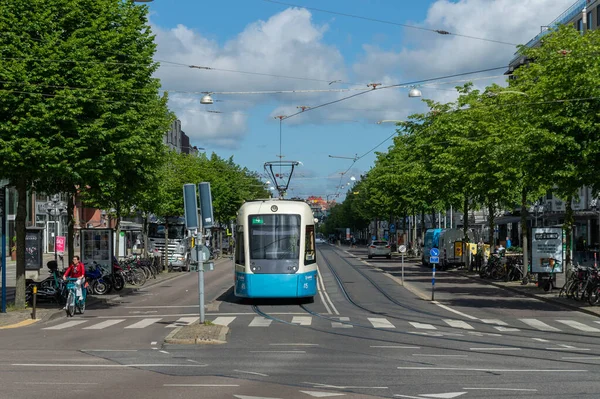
[76,270]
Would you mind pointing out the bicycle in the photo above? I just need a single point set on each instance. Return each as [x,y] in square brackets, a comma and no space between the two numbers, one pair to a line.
[73,303]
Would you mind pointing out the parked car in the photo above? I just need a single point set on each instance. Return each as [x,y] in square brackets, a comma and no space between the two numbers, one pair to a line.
[320,240]
[380,248]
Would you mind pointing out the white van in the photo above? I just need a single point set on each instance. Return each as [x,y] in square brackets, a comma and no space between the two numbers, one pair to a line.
[448,255]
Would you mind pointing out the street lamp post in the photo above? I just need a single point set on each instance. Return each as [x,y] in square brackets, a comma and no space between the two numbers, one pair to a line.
[55,207]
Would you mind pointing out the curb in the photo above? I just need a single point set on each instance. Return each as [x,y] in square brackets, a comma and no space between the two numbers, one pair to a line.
[222,338]
[20,324]
[527,294]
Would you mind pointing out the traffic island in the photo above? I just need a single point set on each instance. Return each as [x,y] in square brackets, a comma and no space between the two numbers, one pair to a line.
[198,334]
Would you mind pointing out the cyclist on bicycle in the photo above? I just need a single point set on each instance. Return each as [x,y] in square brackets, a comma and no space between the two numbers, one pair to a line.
[76,270]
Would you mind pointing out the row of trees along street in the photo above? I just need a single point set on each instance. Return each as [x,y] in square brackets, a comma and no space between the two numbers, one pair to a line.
[81,114]
[498,148]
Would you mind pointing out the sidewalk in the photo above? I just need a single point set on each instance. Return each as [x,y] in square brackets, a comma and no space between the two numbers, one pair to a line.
[461,285]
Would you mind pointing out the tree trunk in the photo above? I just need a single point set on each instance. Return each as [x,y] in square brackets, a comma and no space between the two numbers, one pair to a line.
[524,231]
[569,230]
[20,219]
[70,227]
[433,218]
[145,235]
[423,227]
[491,224]
[466,256]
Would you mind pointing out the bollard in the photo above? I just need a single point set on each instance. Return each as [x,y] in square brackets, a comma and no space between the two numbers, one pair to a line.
[34,301]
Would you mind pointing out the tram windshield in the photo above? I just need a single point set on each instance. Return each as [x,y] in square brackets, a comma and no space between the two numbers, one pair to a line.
[274,237]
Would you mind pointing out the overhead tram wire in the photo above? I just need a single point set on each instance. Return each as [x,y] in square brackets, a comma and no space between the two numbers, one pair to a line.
[438,31]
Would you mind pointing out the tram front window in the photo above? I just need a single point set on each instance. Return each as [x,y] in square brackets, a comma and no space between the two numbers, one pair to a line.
[274,243]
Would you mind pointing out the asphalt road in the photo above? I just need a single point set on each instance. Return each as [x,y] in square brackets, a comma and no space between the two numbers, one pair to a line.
[365,335]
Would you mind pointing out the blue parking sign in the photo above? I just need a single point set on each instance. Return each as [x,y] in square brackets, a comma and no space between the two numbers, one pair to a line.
[434,259]
[434,252]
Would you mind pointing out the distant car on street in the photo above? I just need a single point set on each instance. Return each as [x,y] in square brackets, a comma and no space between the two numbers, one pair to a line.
[320,240]
[380,248]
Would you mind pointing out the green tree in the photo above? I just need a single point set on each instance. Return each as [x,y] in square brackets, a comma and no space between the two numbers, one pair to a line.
[75,74]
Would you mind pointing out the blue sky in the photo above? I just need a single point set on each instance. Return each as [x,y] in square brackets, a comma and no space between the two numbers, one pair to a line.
[263,37]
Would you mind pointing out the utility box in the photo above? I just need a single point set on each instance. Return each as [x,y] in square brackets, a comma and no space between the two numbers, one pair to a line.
[34,243]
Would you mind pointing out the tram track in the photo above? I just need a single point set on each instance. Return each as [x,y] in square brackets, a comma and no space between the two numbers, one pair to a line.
[375,285]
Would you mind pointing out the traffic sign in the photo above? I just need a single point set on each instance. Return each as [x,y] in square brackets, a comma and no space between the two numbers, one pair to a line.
[402,248]
[434,259]
[392,228]
[434,252]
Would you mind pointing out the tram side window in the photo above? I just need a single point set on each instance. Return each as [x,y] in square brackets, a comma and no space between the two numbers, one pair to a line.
[310,255]
[240,255]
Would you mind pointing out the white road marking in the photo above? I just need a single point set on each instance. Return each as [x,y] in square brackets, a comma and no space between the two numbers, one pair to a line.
[251,397]
[319,385]
[302,320]
[494,321]
[55,383]
[153,343]
[251,372]
[335,311]
[579,326]
[501,389]
[540,339]
[199,385]
[446,395]
[506,329]
[422,326]
[106,365]
[568,348]
[495,349]
[424,355]
[144,323]
[294,344]
[494,370]
[396,347]
[104,324]
[455,311]
[165,352]
[322,394]
[223,321]
[480,334]
[65,325]
[380,322]
[539,325]
[183,321]
[196,314]
[336,324]
[458,324]
[260,321]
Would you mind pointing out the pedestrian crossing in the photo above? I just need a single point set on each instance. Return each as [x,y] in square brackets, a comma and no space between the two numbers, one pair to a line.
[339,322]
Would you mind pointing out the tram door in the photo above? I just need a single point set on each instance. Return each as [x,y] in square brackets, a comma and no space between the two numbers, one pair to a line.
[52,230]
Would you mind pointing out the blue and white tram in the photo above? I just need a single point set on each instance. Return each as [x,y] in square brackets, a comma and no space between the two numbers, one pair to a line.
[275,255]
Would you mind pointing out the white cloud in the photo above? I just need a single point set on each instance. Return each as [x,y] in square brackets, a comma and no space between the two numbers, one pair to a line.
[290,44]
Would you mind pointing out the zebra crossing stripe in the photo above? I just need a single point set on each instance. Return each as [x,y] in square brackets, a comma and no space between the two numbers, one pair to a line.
[458,324]
[223,321]
[302,320]
[506,329]
[381,323]
[494,321]
[539,325]
[336,324]
[183,321]
[65,325]
[260,321]
[144,323]
[422,326]
[104,324]
[579,326]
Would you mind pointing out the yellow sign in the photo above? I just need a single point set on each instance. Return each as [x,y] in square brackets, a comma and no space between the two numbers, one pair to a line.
[457,249]
[193,242]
